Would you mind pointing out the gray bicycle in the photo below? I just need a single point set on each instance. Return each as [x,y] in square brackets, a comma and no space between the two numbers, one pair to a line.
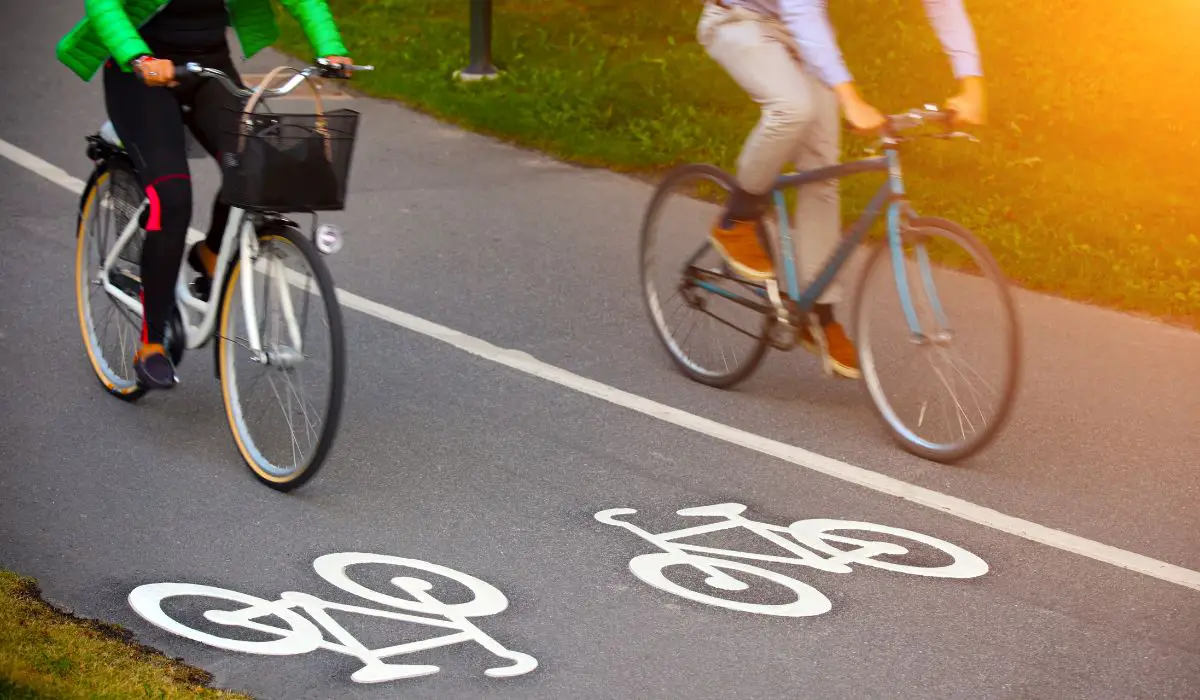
[919,296]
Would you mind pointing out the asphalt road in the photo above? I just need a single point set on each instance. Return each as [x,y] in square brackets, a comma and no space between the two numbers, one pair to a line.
[472,461]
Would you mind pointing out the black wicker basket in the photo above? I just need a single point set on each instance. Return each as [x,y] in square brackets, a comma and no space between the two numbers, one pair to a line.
[287,162]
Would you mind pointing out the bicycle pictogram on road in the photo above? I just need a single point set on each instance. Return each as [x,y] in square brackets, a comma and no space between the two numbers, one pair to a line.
[812,543]
[298,635]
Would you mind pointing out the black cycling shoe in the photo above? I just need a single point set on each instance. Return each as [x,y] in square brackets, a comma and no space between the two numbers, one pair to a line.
[153,367]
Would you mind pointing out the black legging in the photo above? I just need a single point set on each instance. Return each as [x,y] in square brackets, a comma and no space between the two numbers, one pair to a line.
[150,123]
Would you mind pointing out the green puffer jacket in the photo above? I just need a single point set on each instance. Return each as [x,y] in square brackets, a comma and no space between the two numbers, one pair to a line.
[111,29]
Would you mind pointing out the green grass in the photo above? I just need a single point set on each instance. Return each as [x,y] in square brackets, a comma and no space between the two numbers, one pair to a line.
[46,653]
[1085,184]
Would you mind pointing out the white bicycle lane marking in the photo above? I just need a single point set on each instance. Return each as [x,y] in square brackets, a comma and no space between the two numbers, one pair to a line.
[810,542]
[526,363]
[300,636]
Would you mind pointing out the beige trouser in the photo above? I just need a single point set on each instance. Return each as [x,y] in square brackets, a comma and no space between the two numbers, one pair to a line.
[800,124]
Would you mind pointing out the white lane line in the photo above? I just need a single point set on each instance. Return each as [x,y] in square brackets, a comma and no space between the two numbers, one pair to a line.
[53,173]
[524,362]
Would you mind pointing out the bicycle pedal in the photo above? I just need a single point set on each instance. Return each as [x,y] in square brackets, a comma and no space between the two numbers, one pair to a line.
[783,336]
[201,287]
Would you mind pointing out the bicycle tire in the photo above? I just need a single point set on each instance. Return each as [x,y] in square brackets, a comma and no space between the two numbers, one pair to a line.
[269,474]
[687,365]
[104,176]
[901,433]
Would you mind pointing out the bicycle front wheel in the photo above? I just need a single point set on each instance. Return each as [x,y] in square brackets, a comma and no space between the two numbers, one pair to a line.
[285,402]
[704,317]
[945,392]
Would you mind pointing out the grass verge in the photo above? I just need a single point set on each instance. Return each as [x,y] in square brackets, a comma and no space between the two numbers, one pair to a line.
[1085,184]
[47,653]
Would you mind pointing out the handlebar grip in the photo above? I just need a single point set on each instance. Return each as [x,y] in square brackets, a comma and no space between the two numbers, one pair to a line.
[338,70]
[184,73]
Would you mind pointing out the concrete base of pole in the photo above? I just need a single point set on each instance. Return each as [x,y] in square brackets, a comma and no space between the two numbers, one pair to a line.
[471,76]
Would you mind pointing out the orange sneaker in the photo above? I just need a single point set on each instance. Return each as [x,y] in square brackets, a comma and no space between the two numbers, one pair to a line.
[740,247]
[842,355]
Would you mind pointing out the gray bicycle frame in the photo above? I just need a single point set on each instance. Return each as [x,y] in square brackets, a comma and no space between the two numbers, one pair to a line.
[890,195]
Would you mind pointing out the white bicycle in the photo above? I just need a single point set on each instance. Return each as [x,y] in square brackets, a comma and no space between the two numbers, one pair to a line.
[812,543]
[300,636]
[268,324]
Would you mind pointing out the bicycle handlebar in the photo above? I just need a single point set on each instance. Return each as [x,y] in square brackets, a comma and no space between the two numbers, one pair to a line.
[915,118]
[321,68]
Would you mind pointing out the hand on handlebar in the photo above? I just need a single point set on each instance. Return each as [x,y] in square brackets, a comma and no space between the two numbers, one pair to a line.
[341,66]
[863,117]
[155,72]
[338,67]
[969,106]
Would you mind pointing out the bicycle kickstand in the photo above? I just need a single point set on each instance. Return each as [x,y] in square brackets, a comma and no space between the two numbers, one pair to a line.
[818,333]
[782,334]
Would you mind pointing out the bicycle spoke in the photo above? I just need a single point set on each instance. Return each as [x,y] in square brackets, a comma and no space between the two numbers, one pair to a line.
[294,354]
[288,418]
[974,393]
[309,424]
[677,259]
[962,413]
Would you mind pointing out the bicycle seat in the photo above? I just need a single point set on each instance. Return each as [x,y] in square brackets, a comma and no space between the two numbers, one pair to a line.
[194,150]
[109,134]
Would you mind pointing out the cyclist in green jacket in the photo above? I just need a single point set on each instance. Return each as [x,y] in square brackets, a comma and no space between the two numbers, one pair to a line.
[138,43]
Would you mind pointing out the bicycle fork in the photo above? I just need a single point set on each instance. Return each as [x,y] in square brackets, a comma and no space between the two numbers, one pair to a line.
[899,214]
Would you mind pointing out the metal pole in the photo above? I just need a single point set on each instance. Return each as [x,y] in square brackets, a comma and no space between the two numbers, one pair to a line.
[481,42]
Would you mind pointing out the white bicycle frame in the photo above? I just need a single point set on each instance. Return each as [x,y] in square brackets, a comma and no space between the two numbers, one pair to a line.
[239,232]
[239,227]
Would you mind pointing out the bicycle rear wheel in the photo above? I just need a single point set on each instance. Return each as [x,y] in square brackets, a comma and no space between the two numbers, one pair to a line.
[955,285]
[689,293]
[111,331]
[284,426]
